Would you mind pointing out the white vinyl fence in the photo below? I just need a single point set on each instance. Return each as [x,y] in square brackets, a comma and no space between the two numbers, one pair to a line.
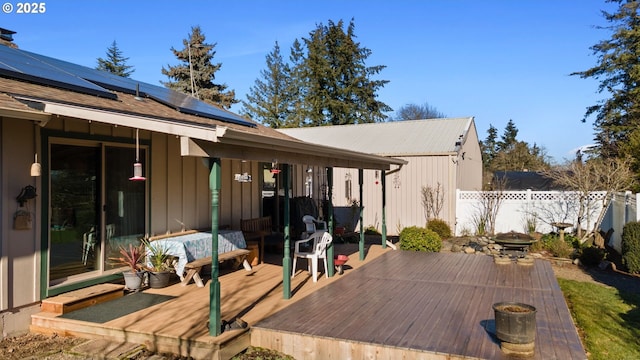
[623,209]
[523,211]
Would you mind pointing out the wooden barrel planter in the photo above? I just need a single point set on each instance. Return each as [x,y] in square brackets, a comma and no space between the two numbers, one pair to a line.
[515,326]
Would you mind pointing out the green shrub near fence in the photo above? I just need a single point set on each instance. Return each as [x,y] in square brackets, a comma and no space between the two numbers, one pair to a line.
[440,227]
[415,238]
[631,247]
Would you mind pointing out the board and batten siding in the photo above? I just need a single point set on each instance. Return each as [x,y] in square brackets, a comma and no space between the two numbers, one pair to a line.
[19,249]
[178,196]
[404,192]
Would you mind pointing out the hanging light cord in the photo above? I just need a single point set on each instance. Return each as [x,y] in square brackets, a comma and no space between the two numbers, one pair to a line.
[137,146]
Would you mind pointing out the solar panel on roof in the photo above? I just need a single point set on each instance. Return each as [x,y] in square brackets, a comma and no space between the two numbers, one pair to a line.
[19,65]
[103,81]
[191,105]
[106,80]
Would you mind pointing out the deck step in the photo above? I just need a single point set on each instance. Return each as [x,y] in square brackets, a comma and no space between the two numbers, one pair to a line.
[82,298]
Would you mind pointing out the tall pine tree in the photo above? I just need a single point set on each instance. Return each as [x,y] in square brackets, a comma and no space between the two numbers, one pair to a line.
[617,119]
[115,63]
[297,89]
[201,69]
[268,99]
[340,89]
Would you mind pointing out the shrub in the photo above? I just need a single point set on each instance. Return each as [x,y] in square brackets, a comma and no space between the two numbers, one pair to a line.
[537,246]
[371,230]
[440,227]
[631,247]
[559,248]
[572,241]
[414,238]
[591,255]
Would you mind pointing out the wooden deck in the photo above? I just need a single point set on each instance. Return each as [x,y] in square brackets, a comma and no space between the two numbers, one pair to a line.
[394,304]
[179,325]
[412,305]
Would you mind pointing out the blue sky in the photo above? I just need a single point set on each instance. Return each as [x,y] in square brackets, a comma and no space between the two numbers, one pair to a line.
[495,60]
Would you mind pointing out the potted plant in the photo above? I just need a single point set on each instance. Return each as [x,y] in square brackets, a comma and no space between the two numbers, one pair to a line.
[131,257]
[158,263]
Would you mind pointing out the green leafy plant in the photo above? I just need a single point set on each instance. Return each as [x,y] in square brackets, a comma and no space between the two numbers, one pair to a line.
[415,238]
[631,247]
[158,256]
[440,227]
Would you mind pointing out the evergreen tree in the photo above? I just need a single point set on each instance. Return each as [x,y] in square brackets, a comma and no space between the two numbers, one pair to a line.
[267,100]
[617,119]
[200,69]
[297,88]
[418,112]
[115,63]
[339,86]
[508,140]
[489,147]
[509,153]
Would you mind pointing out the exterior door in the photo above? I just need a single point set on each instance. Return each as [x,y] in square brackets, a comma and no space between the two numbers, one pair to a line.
[94,208]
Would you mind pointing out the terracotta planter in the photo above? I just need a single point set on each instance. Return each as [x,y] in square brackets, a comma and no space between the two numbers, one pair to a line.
[515,322]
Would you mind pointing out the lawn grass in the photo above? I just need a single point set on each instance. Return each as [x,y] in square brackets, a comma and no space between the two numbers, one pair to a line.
[608,320]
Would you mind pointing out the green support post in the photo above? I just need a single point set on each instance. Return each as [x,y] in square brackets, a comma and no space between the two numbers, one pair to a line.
[330,263]
[214,287]
[286,260]
[361,242]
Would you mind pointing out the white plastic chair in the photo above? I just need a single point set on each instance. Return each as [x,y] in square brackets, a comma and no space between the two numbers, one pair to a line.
[320,241]
[111,231]
[312,225]
[88,244]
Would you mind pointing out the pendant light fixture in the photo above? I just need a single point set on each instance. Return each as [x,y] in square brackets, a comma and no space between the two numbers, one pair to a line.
[36,168]
[137,166]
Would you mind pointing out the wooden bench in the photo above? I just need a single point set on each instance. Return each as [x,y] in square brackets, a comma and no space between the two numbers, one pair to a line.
[255,230]
[193,268]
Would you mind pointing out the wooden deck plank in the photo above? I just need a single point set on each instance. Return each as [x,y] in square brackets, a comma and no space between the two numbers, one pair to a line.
[394,303]
[438,303]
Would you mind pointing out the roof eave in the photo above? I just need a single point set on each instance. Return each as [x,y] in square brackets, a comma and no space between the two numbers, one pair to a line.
[249,146]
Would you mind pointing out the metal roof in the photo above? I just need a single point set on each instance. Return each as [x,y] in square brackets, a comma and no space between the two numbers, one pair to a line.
[397,138]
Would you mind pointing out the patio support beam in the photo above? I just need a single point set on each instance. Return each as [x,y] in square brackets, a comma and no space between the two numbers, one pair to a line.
[214,288]
[331,221]
[384,209]
[286,260]
[361,242]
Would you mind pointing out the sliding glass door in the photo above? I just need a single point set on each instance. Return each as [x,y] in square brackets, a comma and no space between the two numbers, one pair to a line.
[94,207]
